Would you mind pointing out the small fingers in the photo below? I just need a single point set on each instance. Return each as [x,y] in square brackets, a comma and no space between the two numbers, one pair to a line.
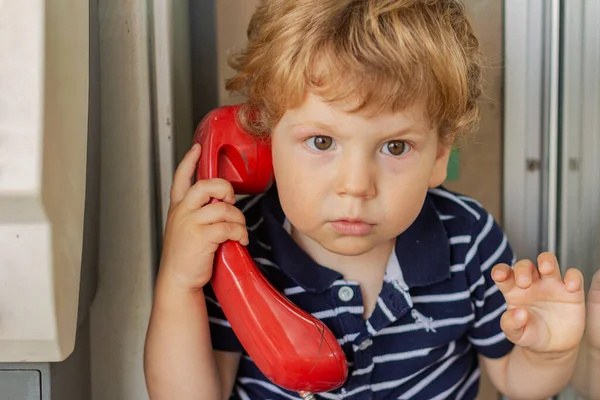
[203,191]
[503,275]
[525,274]
[182,180]
[548,267]
[513,323]
[219,212]
[223,231]
[573,280]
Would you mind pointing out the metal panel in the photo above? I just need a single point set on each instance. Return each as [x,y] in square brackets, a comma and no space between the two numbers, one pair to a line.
[20,385]
[580,172]
[550,124]
[127,250]
[523,110]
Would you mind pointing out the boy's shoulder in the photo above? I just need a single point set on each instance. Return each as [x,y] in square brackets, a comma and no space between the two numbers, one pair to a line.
[454,206]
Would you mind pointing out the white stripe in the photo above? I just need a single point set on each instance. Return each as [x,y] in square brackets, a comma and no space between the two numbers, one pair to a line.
[474,377]
[457,268]
[460,239]
[243,395]
[293,290]
[212,301]
[337,311]
[445,394]
[443,217]
[329,396]
[252,202]
[405,293]
[416,326]
[431,377]
[394,384]
[484,232]
[479,282]
[455,199]
[363,371]
[341,282]
[488,293]
[470,200]
[266,262]
[490,316]
[386,310]
[402,356]
[268,386]
[494,257]
[263,245]
[252,228]
[370,328]
[219,321]
[488,341]
[348,338]
[439,298]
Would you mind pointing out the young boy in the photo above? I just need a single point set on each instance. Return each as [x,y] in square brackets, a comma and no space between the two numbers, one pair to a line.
[362,101]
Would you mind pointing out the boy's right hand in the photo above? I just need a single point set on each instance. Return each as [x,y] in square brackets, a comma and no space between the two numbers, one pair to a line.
[195,228]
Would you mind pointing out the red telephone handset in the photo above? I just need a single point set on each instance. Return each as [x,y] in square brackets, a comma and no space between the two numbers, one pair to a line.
[291,347]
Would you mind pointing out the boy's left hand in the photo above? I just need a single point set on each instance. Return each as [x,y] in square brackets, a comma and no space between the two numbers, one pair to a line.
[545,314]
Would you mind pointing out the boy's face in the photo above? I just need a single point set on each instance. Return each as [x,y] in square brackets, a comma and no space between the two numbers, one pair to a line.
[353,183]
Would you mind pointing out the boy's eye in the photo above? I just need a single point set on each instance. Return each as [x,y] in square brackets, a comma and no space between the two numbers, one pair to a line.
[395,148]
[320,143]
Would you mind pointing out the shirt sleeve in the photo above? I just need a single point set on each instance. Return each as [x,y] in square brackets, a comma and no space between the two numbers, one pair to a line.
[489,247]
[222,335]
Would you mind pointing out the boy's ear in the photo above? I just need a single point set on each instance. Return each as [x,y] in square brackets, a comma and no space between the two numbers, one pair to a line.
[440,168]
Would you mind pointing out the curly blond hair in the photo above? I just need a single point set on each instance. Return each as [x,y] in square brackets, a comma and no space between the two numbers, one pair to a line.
[381,55]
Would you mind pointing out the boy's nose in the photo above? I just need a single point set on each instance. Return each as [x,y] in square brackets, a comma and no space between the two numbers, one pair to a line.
[357,177]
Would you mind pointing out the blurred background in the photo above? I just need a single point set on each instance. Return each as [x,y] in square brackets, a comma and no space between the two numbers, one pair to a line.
[99,100]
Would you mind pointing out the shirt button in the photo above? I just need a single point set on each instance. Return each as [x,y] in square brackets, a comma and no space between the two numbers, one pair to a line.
[366,343]
[346,293]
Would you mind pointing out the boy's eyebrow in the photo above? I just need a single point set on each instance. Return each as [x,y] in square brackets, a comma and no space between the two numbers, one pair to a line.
[411,128]
[315,124]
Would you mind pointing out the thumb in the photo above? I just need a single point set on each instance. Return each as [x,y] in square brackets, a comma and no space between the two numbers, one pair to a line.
[513,323]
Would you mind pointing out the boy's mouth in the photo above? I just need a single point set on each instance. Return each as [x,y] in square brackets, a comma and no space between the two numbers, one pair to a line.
[352,226]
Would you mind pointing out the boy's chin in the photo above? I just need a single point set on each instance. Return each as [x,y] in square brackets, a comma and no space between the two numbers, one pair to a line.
[350,245]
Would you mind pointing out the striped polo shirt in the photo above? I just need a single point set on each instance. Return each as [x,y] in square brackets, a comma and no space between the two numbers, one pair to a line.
[437,310]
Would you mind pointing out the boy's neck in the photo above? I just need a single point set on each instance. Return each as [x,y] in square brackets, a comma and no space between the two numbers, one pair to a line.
[372,264]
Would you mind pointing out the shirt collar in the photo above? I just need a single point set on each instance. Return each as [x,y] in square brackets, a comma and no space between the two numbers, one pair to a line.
[422,251]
